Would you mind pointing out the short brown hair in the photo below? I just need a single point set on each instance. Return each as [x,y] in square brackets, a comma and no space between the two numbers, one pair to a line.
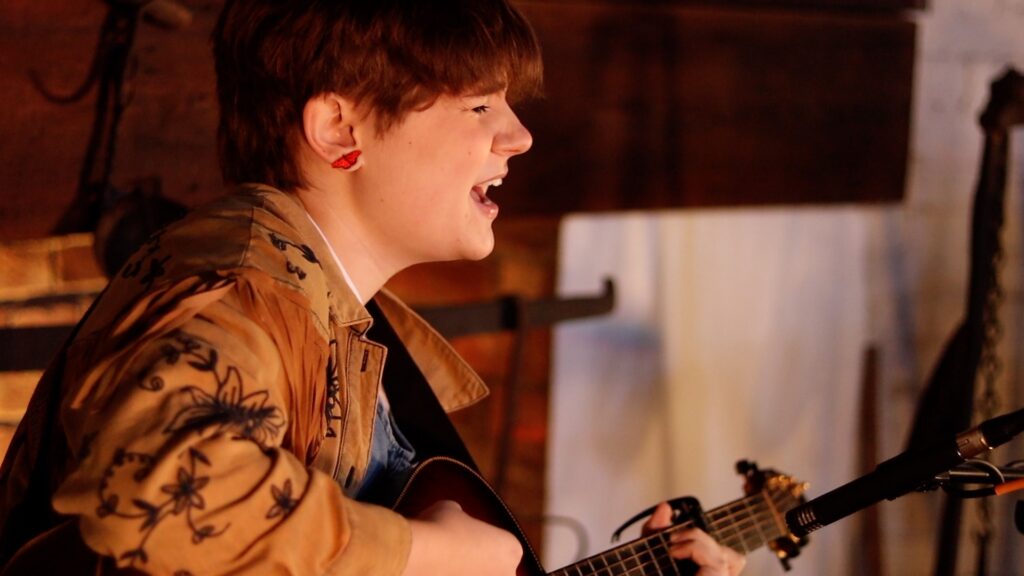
[390,56]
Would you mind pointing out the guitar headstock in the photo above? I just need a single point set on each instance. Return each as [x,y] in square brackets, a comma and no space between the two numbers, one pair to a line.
[784,493]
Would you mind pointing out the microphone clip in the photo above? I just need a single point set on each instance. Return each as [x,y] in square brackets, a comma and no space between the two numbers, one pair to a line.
[977,478]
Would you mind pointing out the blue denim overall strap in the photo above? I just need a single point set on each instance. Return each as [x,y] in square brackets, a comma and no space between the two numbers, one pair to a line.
[392,457]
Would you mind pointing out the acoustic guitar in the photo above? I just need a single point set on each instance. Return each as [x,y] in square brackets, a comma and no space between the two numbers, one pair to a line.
[746,524]
[743,525]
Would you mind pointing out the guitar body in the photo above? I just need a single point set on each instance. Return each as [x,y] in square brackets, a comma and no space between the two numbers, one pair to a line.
[441,478]
[743,525]
[438,479]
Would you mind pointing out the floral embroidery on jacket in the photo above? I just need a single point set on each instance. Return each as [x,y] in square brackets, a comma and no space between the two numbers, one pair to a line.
[228,406]
[283,501]
[223,403]
[184,495]
[147,253]
[282,244]
[307,253]
[332,406]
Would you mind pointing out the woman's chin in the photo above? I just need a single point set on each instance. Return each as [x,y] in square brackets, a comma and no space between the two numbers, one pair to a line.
[479,250]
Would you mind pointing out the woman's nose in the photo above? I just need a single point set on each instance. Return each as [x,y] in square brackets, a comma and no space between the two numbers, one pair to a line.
[514,139]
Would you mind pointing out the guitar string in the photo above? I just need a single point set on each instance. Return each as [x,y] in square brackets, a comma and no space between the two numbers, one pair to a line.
[741,533]
[760,537]
[739,507]
[621,556]
[742,517]
[656,560]
[658,553]
[740,530]
[742,507]
[745,527]
[628,553]
[730,511]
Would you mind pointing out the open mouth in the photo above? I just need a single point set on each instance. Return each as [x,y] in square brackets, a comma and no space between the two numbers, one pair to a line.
[480,194]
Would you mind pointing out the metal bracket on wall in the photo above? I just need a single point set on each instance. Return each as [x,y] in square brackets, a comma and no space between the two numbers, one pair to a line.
[32,348]
[514,313]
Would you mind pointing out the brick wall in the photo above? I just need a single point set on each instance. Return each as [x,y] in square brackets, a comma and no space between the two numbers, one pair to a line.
[46,282]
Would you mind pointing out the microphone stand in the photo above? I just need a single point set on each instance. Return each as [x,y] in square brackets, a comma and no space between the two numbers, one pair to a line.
[975,472]
[913,470]
[1000,480]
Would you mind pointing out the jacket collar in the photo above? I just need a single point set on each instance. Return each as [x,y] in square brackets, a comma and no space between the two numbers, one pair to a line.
[345,308]
[454,382]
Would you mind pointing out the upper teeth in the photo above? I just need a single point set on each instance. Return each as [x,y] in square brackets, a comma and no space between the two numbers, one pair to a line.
[495,182]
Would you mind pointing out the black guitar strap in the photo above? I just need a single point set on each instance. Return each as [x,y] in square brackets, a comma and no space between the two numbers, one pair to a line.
[416,409]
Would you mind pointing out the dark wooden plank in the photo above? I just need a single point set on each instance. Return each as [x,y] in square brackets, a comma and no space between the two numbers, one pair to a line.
[649,106]
[168,130]
[30,348]
[652,107]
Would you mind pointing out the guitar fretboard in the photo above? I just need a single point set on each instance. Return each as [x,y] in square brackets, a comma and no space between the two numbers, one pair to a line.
[743,525]
[748,523]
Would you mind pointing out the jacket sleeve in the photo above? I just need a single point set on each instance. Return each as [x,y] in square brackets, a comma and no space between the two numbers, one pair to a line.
[184,417]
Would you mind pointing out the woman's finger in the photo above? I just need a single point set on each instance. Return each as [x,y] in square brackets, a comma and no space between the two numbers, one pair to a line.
[712,558]
[661,518]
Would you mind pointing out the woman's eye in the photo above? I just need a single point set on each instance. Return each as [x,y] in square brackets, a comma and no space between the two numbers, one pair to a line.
[481,109]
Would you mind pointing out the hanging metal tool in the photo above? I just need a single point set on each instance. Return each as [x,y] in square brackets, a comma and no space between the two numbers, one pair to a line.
[947,405]
[121,218]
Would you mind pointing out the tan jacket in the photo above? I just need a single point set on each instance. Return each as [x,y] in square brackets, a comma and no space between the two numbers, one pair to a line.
[220,395]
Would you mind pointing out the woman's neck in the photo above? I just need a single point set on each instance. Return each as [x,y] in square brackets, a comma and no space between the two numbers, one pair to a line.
[368,269]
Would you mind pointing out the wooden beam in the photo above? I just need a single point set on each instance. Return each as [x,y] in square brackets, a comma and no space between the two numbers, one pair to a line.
[678,106]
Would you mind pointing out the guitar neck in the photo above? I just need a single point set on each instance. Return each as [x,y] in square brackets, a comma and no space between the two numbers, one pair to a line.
[748,523]
[743,525]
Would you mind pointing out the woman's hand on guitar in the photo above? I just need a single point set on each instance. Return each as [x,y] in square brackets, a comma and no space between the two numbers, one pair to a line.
[712,558]
[446,540]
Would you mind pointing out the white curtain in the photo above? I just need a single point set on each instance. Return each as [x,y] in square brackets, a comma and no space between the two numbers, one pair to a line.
[737,334]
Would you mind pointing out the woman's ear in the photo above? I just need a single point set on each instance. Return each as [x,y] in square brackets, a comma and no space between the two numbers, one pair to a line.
[329,124]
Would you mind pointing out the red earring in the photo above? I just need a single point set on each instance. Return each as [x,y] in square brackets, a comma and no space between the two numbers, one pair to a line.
[347,161]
